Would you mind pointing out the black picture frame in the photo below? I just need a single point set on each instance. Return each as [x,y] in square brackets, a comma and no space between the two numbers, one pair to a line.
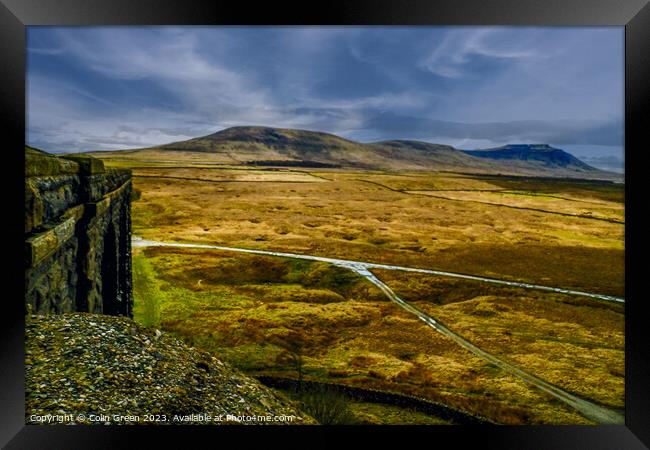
[15,15]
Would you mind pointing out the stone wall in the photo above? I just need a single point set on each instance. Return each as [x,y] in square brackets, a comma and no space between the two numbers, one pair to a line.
[77,235]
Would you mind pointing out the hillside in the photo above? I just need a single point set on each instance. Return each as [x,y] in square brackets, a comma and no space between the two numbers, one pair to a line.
[286,147]
[265,146]
[541,154]
[96,365]
[426,154]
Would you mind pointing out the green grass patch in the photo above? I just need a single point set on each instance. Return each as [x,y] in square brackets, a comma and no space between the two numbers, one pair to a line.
[278,316]
[382,414]
[146,292]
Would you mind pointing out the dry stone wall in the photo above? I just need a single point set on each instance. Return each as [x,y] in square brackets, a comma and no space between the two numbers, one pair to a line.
[77,235]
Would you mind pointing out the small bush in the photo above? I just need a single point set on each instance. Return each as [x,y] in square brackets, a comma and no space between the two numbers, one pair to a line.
[327,406]
[336,279]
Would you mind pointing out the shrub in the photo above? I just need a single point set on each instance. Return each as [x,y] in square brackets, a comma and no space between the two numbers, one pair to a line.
[335,278]
[327,406]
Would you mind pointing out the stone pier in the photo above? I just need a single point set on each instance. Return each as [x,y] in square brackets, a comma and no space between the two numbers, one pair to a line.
[77,235]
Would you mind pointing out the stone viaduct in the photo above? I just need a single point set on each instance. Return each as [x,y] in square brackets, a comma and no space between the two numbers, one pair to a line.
[77,235]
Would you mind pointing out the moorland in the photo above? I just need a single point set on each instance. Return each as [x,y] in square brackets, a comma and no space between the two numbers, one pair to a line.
[399,203]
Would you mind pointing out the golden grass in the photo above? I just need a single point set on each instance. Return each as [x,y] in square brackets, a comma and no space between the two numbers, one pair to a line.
[156,157]
[244,307]
[380,414]
[359,220]
[546,202]
[354,336]
[227,175]
[573,342]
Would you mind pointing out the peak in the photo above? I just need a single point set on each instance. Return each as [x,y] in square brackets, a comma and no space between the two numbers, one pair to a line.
[278,137]
[420,145]
[263,135]
[245,129]
[256,130]
[531,147]
[541,153]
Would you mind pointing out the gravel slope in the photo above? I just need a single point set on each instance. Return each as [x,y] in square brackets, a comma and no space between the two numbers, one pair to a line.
[89,368]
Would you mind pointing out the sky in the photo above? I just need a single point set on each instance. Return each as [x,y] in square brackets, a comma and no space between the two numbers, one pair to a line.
[108,88]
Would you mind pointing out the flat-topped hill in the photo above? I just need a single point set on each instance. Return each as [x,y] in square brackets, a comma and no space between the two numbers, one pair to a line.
[282,147]
[536,153]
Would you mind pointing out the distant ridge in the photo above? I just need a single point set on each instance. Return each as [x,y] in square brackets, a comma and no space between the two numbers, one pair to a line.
[284,147]
[262,145]
[539,153]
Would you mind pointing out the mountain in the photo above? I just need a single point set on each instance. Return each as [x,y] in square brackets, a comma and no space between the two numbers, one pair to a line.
[428,155]
[266,146]
[287,141]
[540,154]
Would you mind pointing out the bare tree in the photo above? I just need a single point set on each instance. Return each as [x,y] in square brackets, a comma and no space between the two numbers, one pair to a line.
[294,345]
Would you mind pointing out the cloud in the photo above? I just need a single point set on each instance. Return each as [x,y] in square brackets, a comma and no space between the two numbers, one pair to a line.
[171,59]
[523,131]
[126,87]
[610,162]
[45,51]
[453,57]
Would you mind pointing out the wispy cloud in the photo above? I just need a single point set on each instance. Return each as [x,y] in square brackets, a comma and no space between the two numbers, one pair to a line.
[170,59]
[45,51]
[452,58]
[123,87]
[574,132]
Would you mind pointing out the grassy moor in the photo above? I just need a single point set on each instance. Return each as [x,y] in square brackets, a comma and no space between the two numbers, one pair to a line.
[291,319]
[338,225]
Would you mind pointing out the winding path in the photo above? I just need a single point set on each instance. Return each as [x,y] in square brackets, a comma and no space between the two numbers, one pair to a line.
[589,409]
[138,242]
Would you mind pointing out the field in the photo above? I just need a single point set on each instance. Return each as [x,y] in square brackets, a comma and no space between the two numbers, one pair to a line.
[262,313]
[572,342]
[276,316]
[371,217]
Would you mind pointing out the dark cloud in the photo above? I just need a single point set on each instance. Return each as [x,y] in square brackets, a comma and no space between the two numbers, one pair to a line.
[471,87]
[392,126]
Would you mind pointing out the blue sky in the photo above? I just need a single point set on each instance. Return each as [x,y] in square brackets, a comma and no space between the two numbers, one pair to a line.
[92,88]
